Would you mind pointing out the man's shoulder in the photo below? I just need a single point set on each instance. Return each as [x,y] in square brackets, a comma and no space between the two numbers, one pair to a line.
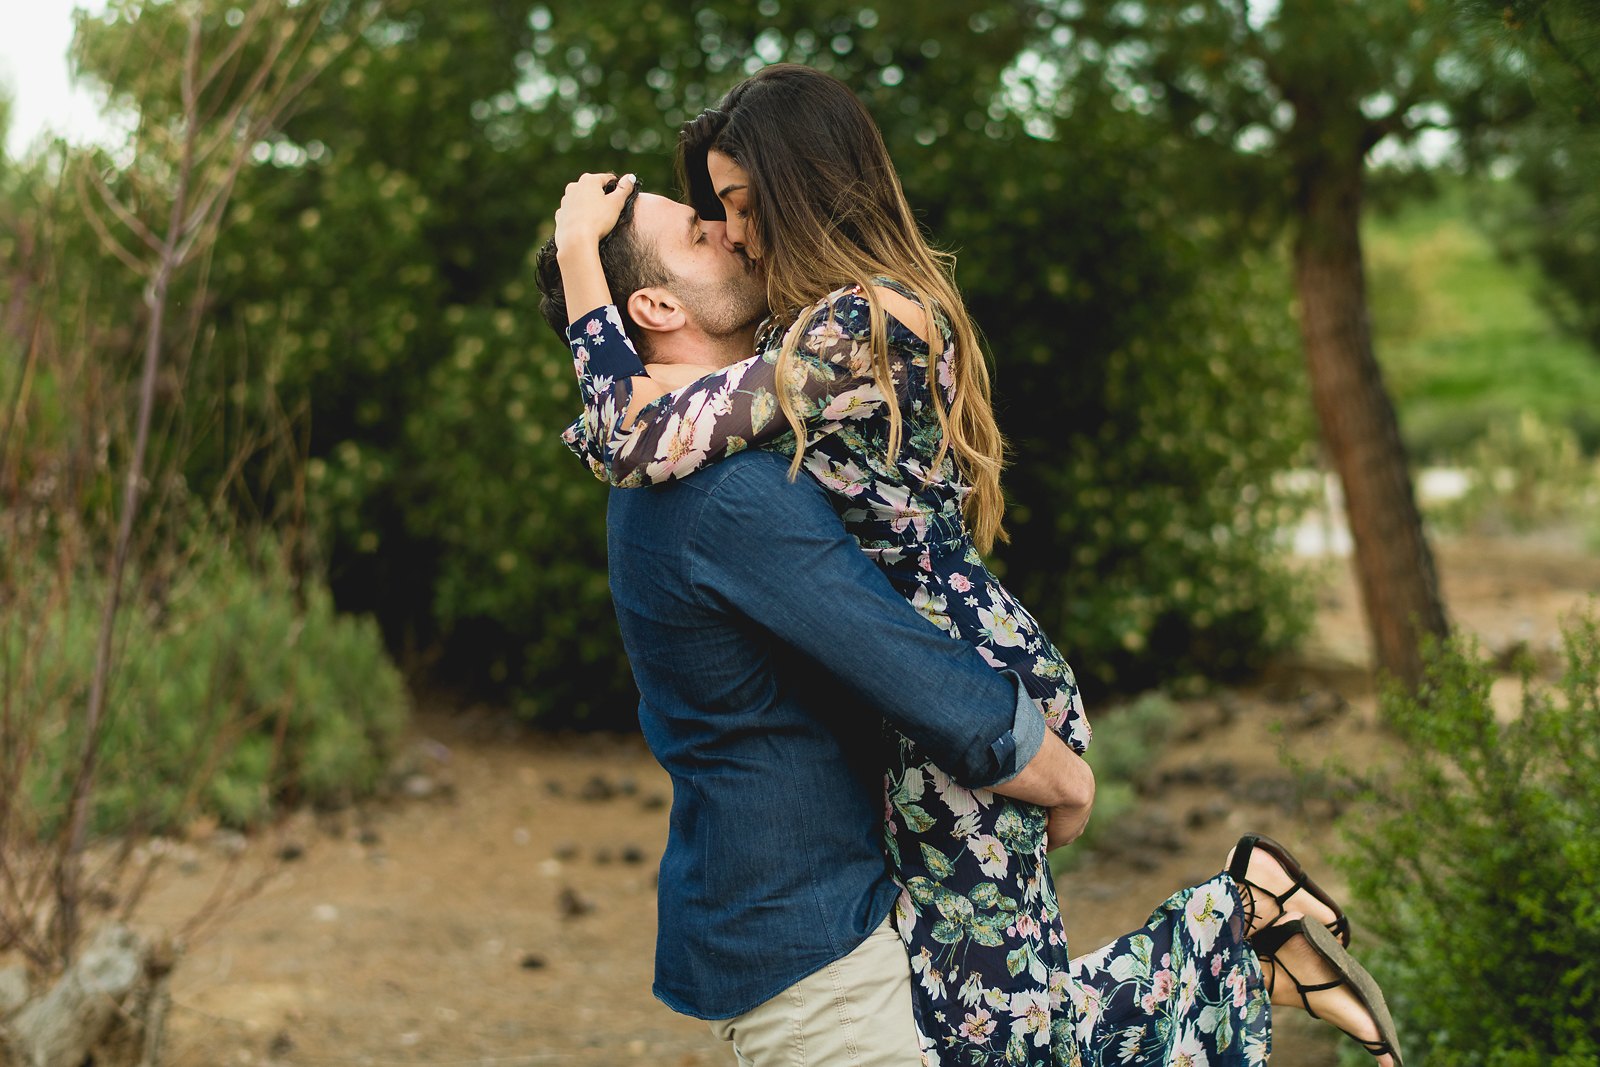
[754,469]
[747,493]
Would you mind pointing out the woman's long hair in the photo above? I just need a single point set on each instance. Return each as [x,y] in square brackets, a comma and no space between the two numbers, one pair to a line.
[826,210]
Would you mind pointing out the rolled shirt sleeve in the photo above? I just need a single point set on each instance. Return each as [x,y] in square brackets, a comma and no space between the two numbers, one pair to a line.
[1017,748]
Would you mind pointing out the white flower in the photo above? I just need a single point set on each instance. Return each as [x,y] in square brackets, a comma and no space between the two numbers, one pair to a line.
[1030,1014]
[958,798]
[1204,914]
[1000,627]
[1096,960]
[1189,1051]
[846,479]
[971,990]
[1060,989]
[902,510]
[1087,1000]
[990,658]
[905,911]
[992,858]
[932,980]
[1188,986]
[614,317]
[861,402]
[933,608]
[966,825]
[947,377]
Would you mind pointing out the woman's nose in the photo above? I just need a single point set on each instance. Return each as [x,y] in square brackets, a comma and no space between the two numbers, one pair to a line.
[722,232]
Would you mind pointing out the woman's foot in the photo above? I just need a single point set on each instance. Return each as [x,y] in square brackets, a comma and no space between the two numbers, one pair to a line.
[1296,967]
[1265,884]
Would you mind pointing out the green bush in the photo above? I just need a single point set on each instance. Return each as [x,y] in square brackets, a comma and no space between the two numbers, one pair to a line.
[1476,863]
[233,692]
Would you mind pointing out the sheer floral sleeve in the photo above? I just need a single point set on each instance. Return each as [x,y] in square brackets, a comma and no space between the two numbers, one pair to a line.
[724,412]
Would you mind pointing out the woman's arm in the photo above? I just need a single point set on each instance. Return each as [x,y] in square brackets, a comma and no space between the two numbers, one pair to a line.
[736,407]
[589,212]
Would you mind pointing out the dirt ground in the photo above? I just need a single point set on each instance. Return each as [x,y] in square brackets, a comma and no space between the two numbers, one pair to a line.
[501,910]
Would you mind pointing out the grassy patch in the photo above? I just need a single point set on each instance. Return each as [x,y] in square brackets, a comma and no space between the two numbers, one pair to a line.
[1462,337]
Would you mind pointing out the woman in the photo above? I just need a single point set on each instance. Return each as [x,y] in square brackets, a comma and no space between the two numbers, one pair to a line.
[874,364]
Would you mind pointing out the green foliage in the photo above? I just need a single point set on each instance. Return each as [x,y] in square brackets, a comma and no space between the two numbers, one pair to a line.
[1147,519]
[233,691]
[1462,334]
[1556,154]
[1475,863]
[372,284]
[1278,97]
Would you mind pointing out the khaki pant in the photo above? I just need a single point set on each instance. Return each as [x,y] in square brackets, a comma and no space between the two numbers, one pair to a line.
[854,1011]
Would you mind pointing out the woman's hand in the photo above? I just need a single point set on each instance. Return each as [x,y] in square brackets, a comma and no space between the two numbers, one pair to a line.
[587,212]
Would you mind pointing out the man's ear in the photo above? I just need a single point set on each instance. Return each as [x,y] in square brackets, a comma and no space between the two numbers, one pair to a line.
[657,309]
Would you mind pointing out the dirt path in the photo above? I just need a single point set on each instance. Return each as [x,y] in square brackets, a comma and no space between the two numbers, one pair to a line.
[503,911]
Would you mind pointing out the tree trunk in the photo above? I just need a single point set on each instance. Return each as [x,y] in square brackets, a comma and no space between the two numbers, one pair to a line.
[1394,566]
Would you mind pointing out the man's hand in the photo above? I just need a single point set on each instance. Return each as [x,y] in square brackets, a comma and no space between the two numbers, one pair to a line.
[587,212]
[1059,779]
[1066,824]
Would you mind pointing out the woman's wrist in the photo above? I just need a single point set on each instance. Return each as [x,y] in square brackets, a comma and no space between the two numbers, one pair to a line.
[573,251]
[584,279]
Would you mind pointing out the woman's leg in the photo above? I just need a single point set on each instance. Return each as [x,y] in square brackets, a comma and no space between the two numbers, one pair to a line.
[1186,984]
[1338,1005]
[1264,882]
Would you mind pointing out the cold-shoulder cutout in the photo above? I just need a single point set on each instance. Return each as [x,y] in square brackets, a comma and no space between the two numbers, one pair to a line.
[904,310]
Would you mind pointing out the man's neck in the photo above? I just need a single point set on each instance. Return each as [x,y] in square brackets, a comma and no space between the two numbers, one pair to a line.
[673,376]
[702,352]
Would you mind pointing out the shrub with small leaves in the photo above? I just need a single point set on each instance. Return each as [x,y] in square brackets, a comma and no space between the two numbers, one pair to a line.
[1475,865]
[233,692]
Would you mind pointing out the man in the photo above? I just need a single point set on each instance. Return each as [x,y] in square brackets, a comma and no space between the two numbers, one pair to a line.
[768,651]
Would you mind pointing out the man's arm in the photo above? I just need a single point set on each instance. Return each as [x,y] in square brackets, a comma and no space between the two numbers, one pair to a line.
[775,552]
[1059,779]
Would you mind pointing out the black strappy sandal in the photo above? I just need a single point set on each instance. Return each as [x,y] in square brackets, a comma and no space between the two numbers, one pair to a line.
[1339,928]
[1268,942]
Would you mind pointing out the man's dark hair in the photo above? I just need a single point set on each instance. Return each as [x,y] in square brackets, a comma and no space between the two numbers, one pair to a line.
[630,263]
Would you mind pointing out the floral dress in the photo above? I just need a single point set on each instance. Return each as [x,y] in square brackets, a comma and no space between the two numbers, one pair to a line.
[993,985]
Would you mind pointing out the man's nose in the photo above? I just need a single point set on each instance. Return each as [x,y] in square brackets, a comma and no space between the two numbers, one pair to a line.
[717,230]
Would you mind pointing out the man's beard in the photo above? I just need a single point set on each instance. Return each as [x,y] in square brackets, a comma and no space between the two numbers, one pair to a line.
[728,307]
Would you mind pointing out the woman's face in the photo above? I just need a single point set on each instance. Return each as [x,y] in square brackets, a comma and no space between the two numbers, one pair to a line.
[732,185]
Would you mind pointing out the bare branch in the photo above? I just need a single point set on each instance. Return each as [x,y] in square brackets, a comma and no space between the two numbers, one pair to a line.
[126,217]
[112,245]
[69,860]
[253,16]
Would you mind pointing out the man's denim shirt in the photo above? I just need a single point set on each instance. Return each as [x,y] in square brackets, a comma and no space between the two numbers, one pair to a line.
[768,652]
